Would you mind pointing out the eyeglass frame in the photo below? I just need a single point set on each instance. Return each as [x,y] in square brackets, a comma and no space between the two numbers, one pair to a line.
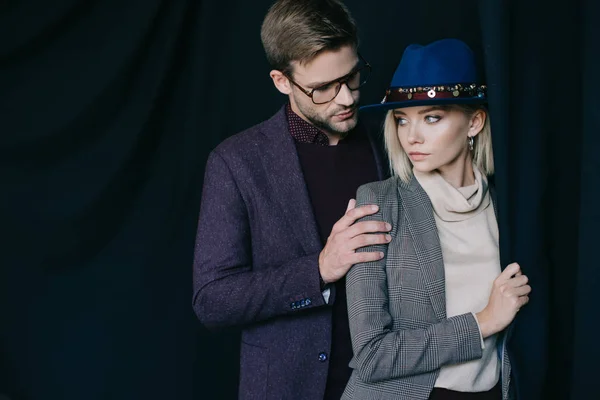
[342,80]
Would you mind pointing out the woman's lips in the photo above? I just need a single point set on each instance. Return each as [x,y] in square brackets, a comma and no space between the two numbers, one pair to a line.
[417,156]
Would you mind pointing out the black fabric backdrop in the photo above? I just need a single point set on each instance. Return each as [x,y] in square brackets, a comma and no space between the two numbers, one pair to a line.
[108,110]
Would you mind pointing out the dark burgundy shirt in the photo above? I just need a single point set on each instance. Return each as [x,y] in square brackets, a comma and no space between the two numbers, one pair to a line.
[332,175]
[302,131]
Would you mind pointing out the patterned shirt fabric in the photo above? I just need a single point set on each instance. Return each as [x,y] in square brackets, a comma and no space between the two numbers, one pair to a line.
[302,131]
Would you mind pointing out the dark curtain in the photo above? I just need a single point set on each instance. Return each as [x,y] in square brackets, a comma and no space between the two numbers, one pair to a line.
[102,154]
[108,110]
[542,65]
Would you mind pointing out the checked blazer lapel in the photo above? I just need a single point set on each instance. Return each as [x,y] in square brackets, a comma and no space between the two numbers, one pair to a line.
[286,182]
[423,229]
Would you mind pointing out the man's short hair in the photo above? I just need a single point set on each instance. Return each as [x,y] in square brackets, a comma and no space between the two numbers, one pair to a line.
[299,30]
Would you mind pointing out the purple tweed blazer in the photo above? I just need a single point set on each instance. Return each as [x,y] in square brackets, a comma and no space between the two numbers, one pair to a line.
[256,262]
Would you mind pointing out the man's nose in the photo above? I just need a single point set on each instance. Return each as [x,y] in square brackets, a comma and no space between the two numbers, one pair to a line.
[344,96]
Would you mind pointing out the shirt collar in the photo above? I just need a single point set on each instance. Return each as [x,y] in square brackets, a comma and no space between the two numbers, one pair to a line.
[302,131]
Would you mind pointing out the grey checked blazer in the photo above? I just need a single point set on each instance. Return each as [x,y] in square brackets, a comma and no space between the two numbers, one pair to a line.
[397,307]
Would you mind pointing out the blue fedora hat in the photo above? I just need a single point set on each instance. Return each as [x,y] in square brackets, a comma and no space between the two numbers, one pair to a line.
[443,72]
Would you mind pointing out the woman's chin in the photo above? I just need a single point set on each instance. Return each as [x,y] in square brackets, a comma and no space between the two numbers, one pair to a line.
[422,167]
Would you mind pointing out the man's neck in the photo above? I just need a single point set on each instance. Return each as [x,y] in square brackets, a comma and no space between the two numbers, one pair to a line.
[333,140]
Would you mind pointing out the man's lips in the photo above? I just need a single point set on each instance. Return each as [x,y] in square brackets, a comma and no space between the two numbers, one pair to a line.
[345,115]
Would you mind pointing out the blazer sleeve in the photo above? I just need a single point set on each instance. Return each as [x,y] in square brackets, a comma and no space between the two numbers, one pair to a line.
[382,353]
[228,289]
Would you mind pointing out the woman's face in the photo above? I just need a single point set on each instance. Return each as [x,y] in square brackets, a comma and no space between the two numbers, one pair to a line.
[436,137]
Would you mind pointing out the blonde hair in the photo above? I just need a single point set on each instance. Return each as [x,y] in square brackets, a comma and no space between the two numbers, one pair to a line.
[400,165]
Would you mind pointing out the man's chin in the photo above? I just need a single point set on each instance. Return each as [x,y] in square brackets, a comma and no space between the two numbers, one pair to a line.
[343,127]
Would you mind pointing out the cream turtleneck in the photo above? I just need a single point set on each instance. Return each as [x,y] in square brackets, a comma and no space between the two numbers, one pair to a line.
[468,234]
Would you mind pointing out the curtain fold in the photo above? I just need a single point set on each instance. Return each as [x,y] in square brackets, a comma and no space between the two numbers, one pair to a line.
[586,352]
[539,62]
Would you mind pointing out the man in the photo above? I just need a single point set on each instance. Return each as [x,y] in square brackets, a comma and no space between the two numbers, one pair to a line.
[277,230]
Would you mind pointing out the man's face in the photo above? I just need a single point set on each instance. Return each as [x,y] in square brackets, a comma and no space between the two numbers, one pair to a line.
[339,116]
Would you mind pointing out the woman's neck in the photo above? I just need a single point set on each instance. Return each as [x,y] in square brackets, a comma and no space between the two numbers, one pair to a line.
[459,172]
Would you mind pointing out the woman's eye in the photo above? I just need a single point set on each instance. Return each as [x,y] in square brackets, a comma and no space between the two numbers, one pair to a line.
[401,121]
[431,119]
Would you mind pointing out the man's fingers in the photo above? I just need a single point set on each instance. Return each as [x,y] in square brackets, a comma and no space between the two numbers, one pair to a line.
[348,217]
[359,212]
[368,227]
[352,214]
[368,240]
[366,257]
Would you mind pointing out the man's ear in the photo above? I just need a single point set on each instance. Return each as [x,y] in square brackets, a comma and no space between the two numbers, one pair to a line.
[281,82]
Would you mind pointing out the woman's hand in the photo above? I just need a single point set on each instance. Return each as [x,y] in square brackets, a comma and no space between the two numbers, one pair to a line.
[510,292]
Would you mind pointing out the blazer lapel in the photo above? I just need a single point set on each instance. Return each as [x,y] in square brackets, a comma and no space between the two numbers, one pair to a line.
[287,182]
[422,227]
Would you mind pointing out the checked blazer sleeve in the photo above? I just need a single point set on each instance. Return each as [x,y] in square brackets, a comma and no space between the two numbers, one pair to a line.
[380,351]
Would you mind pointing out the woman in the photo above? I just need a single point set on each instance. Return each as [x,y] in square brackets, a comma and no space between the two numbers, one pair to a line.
[428,321]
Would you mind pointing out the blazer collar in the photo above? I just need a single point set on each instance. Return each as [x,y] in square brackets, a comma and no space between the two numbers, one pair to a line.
[286,181]
[422,227]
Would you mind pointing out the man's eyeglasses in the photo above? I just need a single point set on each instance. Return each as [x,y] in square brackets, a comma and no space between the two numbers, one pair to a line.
[328,91]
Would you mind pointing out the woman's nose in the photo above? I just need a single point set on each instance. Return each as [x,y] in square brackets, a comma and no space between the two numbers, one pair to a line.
[413,135]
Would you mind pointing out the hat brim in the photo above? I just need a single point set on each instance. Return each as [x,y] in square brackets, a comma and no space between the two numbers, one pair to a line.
[416,103]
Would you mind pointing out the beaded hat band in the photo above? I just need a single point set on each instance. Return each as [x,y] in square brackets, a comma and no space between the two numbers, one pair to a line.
[458,91]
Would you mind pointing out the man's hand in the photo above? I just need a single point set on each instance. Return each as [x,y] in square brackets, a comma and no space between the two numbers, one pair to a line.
[339,253]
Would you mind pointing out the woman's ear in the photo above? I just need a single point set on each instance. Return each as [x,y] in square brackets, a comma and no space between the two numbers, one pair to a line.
[477,122]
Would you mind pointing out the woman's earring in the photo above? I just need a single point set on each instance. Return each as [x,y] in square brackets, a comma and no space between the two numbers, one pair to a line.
[471,142]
